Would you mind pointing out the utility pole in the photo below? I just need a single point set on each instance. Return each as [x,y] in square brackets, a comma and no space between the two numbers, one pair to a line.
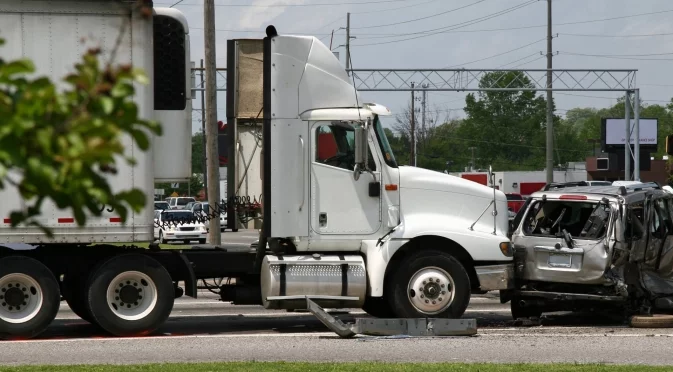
[203,131]
[472,164]
[412,158]
[550,108]
[348,43]
[211,124]
[423,128]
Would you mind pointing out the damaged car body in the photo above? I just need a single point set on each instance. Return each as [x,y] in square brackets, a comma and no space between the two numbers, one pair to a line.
[590,248]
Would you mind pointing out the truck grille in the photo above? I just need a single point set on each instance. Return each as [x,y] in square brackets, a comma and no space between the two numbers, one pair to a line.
[186,228]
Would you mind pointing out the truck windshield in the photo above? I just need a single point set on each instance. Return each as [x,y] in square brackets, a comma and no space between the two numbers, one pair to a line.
[386,150]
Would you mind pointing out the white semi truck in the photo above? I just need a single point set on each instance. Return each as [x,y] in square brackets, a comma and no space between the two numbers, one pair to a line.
[346,225]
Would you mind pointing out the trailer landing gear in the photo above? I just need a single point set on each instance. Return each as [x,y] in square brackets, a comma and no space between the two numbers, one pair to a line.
[395,327]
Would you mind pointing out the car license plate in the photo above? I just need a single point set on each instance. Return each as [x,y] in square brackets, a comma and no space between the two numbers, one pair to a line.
[560,260]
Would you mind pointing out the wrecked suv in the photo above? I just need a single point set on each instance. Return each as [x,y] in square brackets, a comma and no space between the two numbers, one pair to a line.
[591,247]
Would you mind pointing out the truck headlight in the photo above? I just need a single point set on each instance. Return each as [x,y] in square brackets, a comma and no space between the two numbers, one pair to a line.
[507,249]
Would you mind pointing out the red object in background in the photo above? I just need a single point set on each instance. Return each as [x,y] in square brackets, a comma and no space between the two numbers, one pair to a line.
[478,178]
[527,188]
[514,201]
[223,161]
[221,126]
[327,146]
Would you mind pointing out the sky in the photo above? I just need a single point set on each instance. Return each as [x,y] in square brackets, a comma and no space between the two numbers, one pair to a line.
[588,34]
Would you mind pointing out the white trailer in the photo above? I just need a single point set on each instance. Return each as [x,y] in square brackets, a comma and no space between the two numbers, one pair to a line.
[344,225]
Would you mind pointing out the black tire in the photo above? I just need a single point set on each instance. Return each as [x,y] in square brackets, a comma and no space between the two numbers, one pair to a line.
[48,288]
[519,311]
[186,241]
[202,241]
[75,295]
[102,310]
[399,298]
[378,307]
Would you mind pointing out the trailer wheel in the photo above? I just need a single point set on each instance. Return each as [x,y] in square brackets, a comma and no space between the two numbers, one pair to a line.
[430,283]
[131,295]
[29,297]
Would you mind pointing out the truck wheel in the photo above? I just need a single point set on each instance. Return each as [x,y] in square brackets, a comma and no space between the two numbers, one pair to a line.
[202,241]
[131,295]
[29,297]
[378,307]
[430,284]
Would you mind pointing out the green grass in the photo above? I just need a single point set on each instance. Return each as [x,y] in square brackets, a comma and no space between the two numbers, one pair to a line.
[339,367]
[163,246]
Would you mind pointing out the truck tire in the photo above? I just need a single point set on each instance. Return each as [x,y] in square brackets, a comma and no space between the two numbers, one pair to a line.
[378,307]
[430,284]
[29,297]
[130,295]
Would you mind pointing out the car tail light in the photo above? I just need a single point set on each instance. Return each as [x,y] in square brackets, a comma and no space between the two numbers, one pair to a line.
[573,197]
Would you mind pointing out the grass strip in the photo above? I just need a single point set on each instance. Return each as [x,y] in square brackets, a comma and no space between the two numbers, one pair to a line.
[338,367]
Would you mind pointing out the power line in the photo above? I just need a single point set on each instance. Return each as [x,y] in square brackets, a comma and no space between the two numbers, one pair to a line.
[616,57]
[520,27]
[422,18]
[391,9]
[295,5]
[458,25]
[614,36]
[499,54]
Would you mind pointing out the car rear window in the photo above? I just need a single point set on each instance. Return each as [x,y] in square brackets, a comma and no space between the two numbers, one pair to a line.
[582,220]
[185,201]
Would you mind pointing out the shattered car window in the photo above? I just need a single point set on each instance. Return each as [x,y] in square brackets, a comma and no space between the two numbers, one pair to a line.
[584,220]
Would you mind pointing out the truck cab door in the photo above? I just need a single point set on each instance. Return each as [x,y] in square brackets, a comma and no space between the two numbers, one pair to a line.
[339,203]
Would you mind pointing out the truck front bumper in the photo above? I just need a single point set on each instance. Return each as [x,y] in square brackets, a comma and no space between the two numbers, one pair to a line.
[495,277]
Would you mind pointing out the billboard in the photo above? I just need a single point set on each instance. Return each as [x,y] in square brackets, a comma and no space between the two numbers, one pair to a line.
[613,133]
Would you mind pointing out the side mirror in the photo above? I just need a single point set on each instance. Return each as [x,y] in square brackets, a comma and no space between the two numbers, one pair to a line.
[361,152]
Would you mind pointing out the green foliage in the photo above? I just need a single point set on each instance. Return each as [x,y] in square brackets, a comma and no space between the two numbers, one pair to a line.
[508,131]
[61,145]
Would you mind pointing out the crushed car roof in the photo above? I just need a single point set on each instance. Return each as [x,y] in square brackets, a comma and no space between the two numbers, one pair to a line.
[629,193]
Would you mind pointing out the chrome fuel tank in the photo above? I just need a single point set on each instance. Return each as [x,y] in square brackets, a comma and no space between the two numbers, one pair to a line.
[331,281]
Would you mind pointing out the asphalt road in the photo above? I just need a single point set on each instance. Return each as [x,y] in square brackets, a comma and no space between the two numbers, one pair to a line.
[206,329]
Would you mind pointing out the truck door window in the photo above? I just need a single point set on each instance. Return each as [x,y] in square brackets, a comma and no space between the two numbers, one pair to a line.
[335,146]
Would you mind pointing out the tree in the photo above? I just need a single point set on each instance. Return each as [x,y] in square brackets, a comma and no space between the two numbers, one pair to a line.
[59,146]
[507,127]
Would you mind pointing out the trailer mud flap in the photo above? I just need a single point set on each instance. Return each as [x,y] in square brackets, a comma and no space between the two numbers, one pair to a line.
[419,327]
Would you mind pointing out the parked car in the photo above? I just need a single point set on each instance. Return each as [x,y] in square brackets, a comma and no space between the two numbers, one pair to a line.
[179,202]
[161,206]
[202,209]
[183,227]
[581,248]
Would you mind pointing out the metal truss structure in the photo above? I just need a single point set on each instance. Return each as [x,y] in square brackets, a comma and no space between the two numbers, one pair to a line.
[470,80]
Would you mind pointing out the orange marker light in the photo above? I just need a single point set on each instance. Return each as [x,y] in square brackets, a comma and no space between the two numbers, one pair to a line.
[391,187]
